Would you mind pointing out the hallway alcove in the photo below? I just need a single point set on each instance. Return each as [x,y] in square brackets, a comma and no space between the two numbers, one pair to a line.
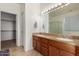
[8,30]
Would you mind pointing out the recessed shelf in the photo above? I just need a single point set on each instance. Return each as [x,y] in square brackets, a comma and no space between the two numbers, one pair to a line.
[8,30]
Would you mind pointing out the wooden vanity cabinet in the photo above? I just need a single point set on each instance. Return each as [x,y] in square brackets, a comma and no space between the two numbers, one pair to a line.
[53,48]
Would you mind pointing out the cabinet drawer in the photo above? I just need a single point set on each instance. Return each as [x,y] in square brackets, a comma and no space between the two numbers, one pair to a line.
[64,53]
[34,44]
[44,45]
[44,40]
[53,51]
[63,46]
[38,46]
[44,51]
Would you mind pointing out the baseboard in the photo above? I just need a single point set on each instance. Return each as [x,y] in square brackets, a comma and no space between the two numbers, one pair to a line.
[28,49]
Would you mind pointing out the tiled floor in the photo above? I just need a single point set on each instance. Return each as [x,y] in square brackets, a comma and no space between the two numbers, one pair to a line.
[18,51]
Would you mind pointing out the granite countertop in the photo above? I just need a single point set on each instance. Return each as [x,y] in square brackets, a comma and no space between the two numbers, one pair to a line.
[73,40]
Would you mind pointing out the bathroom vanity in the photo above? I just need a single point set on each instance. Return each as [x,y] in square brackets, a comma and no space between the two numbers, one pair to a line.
[56,45]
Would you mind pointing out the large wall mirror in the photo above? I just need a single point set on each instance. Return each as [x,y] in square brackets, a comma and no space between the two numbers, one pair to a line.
[65,20]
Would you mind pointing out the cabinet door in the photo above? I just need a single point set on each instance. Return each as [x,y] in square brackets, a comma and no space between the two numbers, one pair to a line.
[44,51]
[34,44]
[38,45]
[77,51]
[53,51]
[65,53]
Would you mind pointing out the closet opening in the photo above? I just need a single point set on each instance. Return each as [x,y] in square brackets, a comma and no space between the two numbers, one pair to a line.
[8,30]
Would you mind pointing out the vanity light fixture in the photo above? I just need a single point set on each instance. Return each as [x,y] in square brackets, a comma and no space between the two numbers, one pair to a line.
[57,6]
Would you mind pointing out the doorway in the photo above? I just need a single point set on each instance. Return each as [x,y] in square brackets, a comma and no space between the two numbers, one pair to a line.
[8,30]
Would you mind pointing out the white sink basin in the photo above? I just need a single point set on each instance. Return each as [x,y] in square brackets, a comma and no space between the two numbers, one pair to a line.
[64,39]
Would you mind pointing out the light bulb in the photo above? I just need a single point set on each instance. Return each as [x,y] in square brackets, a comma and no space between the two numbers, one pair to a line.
[67,4]
[59,3]
[62,6]
[56,5]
